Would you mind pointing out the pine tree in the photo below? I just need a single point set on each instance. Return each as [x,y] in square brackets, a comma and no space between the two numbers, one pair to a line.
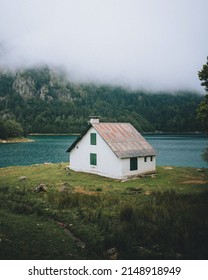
[202,111]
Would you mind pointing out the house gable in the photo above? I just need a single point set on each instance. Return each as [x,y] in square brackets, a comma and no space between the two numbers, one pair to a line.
[79,138]
[97,158]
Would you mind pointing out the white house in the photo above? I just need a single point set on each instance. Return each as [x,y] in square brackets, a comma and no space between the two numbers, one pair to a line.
[115,150]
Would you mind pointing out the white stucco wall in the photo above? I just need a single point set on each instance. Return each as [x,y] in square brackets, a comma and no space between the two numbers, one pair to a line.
[143,167]
[108,164]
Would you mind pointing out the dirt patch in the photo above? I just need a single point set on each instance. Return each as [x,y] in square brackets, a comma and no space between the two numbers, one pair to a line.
[148,193]
[198,182]
[168,167]
[83,191]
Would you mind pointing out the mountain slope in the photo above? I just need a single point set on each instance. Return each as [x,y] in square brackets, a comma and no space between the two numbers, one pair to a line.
[43,101]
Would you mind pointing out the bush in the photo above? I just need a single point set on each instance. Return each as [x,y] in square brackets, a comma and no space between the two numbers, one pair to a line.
[10,128]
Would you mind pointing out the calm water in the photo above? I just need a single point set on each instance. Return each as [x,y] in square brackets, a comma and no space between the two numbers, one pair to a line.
[179,150]
[175,150]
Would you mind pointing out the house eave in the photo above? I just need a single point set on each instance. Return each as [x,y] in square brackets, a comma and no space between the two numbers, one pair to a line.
[78,139]
[131,154]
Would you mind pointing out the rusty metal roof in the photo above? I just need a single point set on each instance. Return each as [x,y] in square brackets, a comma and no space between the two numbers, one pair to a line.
[124,140]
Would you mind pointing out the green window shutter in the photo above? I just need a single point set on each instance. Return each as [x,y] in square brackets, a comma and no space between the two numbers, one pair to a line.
[133,164]
[93,138]
[93,159]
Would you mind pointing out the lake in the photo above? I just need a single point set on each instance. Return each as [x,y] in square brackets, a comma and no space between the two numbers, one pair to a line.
[175,150]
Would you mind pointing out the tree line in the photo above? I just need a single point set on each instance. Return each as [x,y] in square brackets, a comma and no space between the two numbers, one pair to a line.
[67,106]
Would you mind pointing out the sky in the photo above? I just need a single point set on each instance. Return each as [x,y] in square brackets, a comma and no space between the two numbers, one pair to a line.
[142,44]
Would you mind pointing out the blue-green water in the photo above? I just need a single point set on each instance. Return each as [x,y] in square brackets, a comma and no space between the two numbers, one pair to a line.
[179,150]
[44,149]
[175,150]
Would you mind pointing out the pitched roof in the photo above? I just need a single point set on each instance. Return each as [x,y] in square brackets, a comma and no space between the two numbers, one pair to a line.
[124,140]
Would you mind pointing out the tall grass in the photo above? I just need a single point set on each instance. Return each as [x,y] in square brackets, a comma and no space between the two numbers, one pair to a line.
[168,225]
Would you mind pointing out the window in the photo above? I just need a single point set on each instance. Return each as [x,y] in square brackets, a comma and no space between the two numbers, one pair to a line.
[93,138]
[146,158]
[93,159]
[133,164]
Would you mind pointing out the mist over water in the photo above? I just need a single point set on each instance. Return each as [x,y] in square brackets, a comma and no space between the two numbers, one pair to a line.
[145,44]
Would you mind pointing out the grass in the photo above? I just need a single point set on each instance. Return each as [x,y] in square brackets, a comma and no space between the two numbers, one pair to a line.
[82,216]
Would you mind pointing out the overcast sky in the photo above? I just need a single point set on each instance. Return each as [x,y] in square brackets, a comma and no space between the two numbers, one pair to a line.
[148,44]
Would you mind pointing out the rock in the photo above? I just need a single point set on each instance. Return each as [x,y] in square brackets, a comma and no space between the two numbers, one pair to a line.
[22,178]
[111,254]
[67,168]
[25,86]
[43,92]
[132,189]
[200,170]
[167,167]
[64,187]
[125,180]
[40,188]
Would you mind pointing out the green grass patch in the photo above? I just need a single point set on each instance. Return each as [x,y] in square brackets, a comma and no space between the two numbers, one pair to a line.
[82,216]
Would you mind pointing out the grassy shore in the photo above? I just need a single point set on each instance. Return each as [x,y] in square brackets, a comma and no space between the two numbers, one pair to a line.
[50,212]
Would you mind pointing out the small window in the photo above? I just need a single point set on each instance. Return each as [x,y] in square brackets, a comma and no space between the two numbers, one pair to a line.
[93,159]
[93,138]
[145,159]
[151,158]
[133,164]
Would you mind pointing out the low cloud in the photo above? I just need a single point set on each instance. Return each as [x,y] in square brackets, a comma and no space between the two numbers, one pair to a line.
[148,44]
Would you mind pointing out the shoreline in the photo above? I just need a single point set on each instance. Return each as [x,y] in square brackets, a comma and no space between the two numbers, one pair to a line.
[15,140]
[54,134]
[142,132]
[26,140]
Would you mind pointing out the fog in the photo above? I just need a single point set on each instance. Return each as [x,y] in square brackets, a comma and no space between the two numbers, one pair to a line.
[143,44]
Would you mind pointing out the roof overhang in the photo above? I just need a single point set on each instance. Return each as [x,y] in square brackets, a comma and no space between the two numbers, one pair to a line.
[78,138]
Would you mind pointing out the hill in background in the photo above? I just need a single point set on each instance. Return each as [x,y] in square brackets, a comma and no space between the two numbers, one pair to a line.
[42,100]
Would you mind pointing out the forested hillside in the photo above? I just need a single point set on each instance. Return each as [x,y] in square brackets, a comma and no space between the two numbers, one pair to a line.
[41,100]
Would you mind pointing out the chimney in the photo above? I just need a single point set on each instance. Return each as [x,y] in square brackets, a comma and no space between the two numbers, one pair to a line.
[94,119]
